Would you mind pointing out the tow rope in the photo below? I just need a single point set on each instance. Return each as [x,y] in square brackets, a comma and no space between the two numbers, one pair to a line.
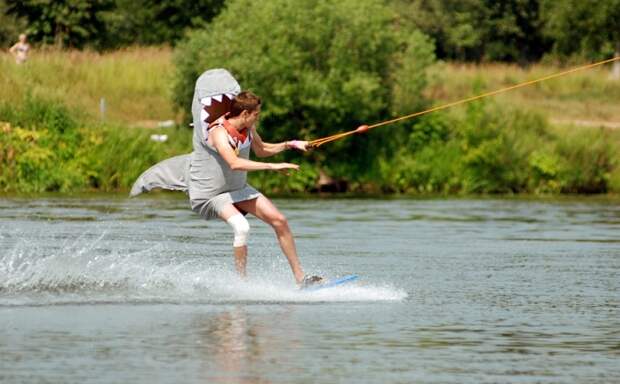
[364,128]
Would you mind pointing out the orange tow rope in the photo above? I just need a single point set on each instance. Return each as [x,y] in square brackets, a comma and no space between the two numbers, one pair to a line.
[363,128]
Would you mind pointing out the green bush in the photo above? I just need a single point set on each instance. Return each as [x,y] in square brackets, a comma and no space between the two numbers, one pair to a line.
[10,26]
[301,181]
[429,129]
[34,112]
[493,148]
[545,167]
[425,159]
[320,66]
[44,148]
[44,140]
[432,169]
[589,158]
[497,141]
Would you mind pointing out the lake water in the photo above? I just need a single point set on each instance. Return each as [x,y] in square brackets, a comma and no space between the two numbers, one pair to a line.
[105,289]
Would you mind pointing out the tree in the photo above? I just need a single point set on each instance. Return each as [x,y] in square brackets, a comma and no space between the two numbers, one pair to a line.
[321,66]
[66,23]
[10,26]
[509,30]
[513,30]
[586,29]
[454,25]
[156,22]
[112,23]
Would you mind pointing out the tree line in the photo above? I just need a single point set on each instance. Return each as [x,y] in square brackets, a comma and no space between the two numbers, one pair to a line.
[324,66]
[104,24]
[521,31]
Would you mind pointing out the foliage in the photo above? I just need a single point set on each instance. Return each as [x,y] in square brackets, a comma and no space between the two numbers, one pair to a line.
[304,180]
[355,66]
[580,28]
[53,139]
[68,23]
[497,141]
[44,148]
[10,26]
[148,22]
[135,83]
[521,31]
[35,156]
[587,160]
[35,112]
[510,30]
[494,148]
[105,24]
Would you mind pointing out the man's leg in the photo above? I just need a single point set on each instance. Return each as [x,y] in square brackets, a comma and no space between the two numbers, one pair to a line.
[240,226]
[264,209]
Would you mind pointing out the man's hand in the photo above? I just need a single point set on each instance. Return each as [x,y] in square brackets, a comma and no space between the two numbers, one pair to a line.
[297,144]
[284,168]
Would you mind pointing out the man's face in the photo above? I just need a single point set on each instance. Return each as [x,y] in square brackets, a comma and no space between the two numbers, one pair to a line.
[252,117]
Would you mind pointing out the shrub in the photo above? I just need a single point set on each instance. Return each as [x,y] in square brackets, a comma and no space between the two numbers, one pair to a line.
[43,148]
[589,158]
[545,167]
[321,67]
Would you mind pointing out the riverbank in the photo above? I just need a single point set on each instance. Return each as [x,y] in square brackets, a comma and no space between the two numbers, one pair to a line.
[83,121]
[136,84]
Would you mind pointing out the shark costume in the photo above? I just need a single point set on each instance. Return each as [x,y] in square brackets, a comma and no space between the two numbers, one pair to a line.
[203,174]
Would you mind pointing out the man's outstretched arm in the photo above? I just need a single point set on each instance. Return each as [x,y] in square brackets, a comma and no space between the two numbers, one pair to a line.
[262,149]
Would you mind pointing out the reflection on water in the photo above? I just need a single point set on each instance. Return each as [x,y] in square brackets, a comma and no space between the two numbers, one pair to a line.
[233,347]
[236,344]
[451,291]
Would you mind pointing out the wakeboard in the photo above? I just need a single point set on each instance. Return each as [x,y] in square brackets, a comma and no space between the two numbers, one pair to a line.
[331,283]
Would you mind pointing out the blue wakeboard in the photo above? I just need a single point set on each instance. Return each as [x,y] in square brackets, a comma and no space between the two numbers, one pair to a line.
[331,283]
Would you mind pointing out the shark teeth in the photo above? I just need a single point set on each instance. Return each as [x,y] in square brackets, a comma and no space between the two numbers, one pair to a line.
[206,101]
[204,115]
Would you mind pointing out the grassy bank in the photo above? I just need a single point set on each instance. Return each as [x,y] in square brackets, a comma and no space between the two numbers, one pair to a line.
[555,137]
[44,147]
[135,83]
[583,97]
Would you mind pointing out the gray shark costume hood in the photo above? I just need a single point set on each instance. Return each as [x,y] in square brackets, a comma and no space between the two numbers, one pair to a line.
[213,96]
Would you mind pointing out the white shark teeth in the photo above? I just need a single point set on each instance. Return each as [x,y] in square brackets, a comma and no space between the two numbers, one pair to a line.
[204,115]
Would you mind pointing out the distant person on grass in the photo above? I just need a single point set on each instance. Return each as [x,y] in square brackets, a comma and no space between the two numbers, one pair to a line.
[20,49]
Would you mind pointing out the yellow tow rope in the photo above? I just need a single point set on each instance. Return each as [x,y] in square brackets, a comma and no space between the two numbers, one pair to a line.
[363,128]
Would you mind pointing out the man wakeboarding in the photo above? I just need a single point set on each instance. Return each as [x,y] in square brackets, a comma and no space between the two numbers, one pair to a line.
[215,173]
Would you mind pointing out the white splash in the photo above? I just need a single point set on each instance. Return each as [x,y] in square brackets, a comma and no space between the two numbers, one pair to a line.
[86,271]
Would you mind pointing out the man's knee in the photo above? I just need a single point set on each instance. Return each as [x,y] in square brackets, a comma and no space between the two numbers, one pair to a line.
[241,229]
[279,222]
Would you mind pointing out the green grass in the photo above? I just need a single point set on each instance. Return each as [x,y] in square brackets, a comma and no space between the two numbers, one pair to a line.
[136,82]
[531,140]
[587,96]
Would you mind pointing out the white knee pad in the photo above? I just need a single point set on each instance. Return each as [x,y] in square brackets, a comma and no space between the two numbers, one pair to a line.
[241,228]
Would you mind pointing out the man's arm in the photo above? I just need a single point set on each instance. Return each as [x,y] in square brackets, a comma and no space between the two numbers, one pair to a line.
[220,141]
[262,149]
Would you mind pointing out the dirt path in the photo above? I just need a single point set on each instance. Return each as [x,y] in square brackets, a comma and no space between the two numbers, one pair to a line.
[589,123]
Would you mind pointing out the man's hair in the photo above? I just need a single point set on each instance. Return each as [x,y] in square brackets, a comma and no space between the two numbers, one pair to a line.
[244,101]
